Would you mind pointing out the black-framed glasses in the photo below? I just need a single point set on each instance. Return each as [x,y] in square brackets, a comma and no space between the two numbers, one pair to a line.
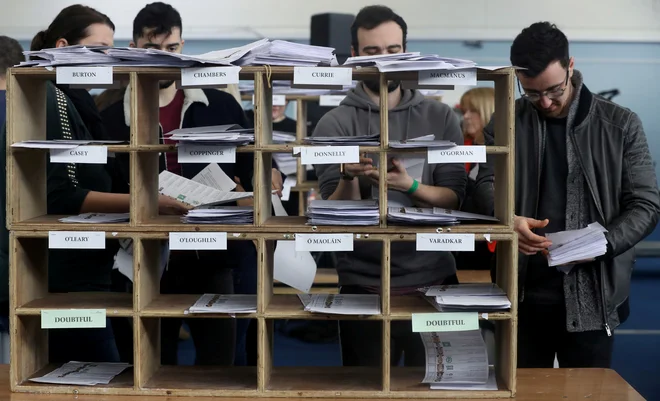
[552,94]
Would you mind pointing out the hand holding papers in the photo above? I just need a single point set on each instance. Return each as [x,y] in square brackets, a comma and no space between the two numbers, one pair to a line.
[575,246]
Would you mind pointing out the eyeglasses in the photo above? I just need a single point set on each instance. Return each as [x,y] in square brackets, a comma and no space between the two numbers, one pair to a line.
[552,94]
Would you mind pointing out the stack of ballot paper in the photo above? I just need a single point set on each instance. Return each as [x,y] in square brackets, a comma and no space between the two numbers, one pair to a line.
[343,212]
[358,140]
[422,142]
[60,143]
[457,358]
[281,52]
[193,193]
[478,297]
[341,304]
[97,218]
[225,135]
[410,62]
[431,216]
[220,215]
[576,245]
[284,88]
[83,373]
[233,303]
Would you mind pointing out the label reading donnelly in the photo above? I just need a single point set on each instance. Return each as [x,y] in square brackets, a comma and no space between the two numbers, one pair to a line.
[209,76]
[73,318]
[198,241]
[76,240]
[323,76]
[324,242]
[459,321]
[80,155]
[445,242]
[206,154]
[458,154]
[83,75]
[329,154]
[464,76]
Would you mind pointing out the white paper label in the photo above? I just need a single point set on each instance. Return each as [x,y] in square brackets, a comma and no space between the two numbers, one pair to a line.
[209,76]
[324,76]
[278,100]
[81,155]
[330,154]
[206,154]
[445,242]
[458,154]
[330,100]
[463,76]
[83,75]
[73,318]
[198,241]
[324,242]
[76,240]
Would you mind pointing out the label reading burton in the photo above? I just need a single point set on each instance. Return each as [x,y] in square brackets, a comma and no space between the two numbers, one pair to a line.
[324,242]
[458,154]
[83,75]
[438,322]
[463,76]
[209,76]
[76,240]
[445,242]
[80,155]
[73,318]
[330,76]
[206,154]
[329,154]
[330,100]
[198,241]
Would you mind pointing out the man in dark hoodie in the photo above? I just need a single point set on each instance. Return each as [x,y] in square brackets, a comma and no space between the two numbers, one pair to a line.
[378,30]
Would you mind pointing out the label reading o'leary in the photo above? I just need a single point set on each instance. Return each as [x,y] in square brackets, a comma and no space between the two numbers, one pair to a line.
[76,240]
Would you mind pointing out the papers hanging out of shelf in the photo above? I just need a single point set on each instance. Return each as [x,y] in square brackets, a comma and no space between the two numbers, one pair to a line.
[341,304]
[83,373]
[233,303]
[457,358]
[343,212]
[477,297]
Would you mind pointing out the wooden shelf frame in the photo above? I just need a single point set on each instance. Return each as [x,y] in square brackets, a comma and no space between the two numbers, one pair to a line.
[29,225]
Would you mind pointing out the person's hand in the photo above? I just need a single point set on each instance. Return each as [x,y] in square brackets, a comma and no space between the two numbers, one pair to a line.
[239,188]
[397,178]
[528,242]
[276,181]
[170,206]
[362,168]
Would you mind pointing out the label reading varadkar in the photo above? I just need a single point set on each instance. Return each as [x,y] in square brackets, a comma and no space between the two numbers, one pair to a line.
[445,242]
[83,75]
[198,241]
[206,154]
[209,76]
[73,318]
[324,242]
[76,240]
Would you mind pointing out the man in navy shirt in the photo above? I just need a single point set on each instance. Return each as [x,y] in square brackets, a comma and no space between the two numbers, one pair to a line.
[11,53]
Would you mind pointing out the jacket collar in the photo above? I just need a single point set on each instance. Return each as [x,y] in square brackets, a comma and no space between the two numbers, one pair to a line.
[582,103]
[190,96]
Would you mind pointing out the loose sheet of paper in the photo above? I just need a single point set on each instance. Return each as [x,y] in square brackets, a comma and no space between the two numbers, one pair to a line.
[193,193]
[458,357]
[83,373]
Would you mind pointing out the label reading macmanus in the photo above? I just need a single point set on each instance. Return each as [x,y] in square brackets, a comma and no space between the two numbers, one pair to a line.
[324,242]
[463,76]
[198,241]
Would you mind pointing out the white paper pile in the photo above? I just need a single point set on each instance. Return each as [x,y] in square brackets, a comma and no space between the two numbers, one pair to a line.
[97,218]
[281,52]
[343,212]
[233,303]
[432,216]
[61,143]
[220,215]
[457,358]
[358,140]
[410,62]
[577,245]
[83,373]
[341,304]
[193,193]
[281,87]
[225,135]
[477,297]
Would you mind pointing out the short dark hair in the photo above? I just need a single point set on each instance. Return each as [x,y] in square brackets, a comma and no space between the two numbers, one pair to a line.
[537,46]
[372,16]
[11,54]
[159,17]
[70,24]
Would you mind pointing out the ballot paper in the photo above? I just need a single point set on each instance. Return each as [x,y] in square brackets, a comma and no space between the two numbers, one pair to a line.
[61,143]
[213,176]
[342,304]
[124,258]
[576,245]
[230,135]
[362,140]
[458,357]
[193,193]
[417,216]
[281,52]
[343,212]
[232,303]
[490,385]
[219,215]
[83,373]
[467,289]
[469,297]
[97,218]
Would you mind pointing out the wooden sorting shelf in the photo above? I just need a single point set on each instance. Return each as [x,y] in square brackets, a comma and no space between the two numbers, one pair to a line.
[30,225]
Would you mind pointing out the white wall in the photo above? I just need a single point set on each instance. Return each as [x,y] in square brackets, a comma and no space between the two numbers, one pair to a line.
[595,20]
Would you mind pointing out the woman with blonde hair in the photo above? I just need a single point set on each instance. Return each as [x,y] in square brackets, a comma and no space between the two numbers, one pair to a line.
[477,105]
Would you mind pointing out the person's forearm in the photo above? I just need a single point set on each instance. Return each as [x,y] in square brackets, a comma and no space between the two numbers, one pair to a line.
[347,190]
[430,196]
[104,202]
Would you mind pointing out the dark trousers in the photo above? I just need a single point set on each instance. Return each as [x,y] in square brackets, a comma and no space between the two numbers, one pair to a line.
[245,282]
[84,345]
[362,341]
[542,334]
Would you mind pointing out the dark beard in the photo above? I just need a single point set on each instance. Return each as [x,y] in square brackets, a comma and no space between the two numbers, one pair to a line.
[165,84]
[374,86]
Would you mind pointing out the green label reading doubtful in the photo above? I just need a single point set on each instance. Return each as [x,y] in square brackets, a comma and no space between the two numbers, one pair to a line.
[450,321]
[72,318]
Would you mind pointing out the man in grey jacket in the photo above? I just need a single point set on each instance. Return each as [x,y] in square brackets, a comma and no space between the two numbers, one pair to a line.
[378,30]
[579,159]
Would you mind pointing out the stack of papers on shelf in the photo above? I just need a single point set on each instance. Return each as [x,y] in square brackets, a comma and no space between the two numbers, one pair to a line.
[343,212]
[358,140]
[233,303]
[422,142]
[193,193]
[490,385]
[341,304]
[410,62]
[282,52]
[432,216]
[97,218]
[286,163]
[283,137]
[577,245]
[220,215]
[60,143]
[83,373]
[477,297]
[281,87]
[225,135]
[458,358]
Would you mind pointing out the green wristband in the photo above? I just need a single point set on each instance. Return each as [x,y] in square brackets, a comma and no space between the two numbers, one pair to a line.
[413,187]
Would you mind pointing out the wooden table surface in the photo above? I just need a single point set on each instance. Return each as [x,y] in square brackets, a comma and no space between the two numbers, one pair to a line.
[533,384]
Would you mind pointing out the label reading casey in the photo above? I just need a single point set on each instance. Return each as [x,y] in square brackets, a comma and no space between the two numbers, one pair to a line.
[324,242]
[73,318]
[80,155]
[329,154]
[206,154]
[198,241]
[76,240]
[445,242]
[459,321]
